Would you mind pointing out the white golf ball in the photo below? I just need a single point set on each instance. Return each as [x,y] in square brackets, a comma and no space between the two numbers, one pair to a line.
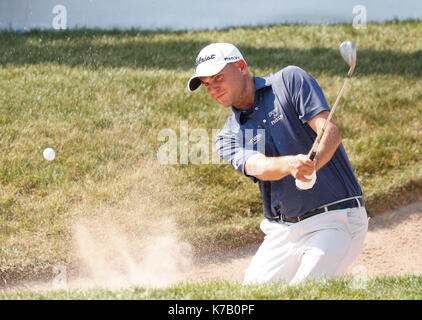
[49,154]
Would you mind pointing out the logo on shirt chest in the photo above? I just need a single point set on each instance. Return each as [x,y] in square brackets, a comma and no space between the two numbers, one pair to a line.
[276,115]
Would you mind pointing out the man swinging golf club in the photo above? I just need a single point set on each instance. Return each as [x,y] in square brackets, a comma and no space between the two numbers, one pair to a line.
[315,218]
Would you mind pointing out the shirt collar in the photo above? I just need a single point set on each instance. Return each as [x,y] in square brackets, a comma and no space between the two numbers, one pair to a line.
[259,84]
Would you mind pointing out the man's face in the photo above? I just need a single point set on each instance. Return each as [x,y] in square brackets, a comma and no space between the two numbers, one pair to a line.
[226,87]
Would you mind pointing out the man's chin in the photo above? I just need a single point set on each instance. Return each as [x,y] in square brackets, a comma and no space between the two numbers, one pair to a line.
[225,104]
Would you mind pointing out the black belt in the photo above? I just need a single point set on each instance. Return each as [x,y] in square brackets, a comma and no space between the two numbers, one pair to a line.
[351,203]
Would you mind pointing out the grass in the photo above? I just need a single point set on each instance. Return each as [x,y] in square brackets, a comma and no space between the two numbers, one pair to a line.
[100,100]
[378,288]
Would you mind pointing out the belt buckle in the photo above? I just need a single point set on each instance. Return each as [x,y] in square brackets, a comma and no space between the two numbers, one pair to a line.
[284,218]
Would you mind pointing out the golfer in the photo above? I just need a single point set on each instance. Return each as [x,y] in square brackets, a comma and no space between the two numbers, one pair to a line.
[313,232]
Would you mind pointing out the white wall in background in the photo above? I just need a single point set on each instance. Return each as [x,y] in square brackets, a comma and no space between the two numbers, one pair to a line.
[194,14]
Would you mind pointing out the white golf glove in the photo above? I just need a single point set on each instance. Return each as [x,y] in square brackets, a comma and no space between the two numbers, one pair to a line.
[306,185]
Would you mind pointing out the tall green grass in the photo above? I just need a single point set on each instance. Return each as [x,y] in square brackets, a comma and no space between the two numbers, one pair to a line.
[101,98]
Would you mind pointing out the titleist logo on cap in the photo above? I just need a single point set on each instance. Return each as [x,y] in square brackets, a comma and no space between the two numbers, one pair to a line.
[203,59]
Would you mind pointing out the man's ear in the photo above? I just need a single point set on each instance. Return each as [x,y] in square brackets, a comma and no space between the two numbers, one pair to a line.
[241,64]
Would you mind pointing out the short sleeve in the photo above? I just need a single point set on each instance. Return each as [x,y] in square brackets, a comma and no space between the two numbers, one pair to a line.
[231,148]
[307,96]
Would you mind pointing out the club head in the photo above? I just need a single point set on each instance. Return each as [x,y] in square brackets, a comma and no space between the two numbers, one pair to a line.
[348,52]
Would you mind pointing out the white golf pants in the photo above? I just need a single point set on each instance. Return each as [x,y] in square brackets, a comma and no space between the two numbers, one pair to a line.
[321,246]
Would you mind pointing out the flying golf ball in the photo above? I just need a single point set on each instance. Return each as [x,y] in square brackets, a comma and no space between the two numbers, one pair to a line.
[49,154]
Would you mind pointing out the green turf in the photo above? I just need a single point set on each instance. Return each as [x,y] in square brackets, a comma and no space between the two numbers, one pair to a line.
[378,288]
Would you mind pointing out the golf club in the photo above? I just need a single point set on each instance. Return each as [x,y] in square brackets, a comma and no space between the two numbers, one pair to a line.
[348,52]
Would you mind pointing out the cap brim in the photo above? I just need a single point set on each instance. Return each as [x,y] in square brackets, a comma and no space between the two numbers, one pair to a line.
[194,82]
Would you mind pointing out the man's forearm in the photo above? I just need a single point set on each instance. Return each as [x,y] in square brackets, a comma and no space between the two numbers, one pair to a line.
[328,146]
[276,168]
[330,141]
[267,168]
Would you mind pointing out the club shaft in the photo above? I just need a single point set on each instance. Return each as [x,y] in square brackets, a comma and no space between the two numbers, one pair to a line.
[320,135]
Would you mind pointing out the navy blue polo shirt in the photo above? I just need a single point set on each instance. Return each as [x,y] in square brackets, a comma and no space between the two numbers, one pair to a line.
[276,125]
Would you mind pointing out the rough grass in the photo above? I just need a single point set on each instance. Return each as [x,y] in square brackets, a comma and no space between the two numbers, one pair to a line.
[100,100]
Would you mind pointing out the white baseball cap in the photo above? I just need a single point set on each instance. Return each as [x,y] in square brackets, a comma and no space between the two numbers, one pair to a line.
[211,60]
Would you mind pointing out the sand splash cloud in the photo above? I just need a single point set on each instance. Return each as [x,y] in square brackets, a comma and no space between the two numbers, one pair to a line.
[112,255]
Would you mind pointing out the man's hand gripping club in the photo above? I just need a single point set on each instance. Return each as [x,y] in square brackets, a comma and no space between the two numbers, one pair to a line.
[303,170]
